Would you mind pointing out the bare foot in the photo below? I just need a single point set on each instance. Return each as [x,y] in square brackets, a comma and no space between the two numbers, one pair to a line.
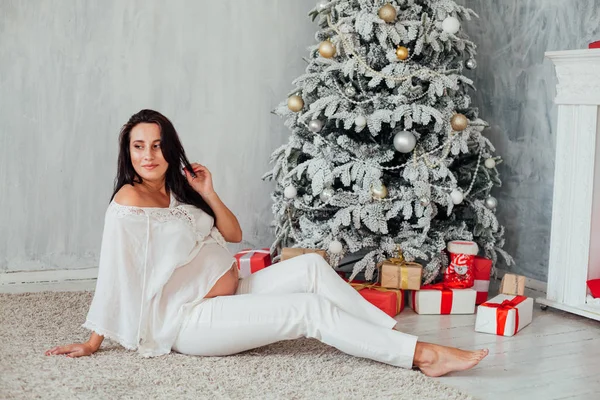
[435,360]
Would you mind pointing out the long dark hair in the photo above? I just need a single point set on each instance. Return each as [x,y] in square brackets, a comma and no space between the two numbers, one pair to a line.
[173,153]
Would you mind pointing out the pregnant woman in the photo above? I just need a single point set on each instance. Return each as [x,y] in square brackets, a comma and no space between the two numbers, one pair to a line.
[167,282]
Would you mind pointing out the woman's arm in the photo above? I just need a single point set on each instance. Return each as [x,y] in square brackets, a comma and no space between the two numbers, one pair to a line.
[78,349]
[202,183]
[227,223]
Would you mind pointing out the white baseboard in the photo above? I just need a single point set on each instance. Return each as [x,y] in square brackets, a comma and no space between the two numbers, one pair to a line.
[50,280]
[530,283]
[85,279]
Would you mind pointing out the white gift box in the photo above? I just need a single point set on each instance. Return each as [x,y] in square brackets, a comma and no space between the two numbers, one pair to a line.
[502,314]
[448,301]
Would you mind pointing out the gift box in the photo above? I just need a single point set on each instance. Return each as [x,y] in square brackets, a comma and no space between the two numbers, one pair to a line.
[398,274]
[439,299]
[390,301]
[513,284]
[594,286]
[504,315]
[291,252]
[481,284]
[249,261]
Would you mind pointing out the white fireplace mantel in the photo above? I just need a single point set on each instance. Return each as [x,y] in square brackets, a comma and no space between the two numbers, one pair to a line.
[575,235]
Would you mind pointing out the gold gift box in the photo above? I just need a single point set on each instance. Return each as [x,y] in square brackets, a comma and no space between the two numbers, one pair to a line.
[513,284]
[291,252]
[401,274]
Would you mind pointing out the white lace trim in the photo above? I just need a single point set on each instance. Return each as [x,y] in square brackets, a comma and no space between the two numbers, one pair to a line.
[108,334]
[159,213]
[216,234]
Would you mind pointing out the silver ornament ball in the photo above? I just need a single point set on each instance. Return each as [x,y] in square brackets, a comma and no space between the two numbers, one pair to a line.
[322,5]
[350,91]
[326,195]
[471,63]
[360,121]
[457,196]
[315,125]
[404,141]
[290,192]
[424,201]
[335,247]
[491,202]
[490,163]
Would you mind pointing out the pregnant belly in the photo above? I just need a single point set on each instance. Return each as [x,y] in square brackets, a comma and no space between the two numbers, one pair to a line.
[226,285]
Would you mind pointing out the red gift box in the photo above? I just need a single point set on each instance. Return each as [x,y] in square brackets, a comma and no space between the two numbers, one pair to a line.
[249,261]
[390,301]
[594,286]
[483,269]
[594,45]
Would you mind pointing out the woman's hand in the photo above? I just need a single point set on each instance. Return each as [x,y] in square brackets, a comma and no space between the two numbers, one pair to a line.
[72,350]
[202,183]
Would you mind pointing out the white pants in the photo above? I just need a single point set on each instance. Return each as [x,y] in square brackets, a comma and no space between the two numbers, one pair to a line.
[299,297]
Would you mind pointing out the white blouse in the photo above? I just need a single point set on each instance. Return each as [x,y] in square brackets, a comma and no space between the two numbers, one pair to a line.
[155,263]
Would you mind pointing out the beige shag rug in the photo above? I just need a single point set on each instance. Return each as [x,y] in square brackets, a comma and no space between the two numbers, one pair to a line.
[30,323]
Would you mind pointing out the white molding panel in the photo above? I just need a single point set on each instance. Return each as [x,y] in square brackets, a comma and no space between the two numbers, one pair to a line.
[576,182]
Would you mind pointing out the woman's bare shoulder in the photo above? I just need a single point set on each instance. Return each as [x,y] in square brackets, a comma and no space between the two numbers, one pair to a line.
[129,196]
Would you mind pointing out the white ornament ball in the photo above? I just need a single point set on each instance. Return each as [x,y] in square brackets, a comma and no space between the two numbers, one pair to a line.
[405,142]
[321,5]
[457,196]
[326,195]
[360,121]
[290,192]
[350,91]
[491,202]
[335,247]
[451,25]
[424,201]
[471,63]
[490,163]
[315,125]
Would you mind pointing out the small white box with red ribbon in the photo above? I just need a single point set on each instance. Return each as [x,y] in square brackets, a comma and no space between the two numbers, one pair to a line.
[504,315]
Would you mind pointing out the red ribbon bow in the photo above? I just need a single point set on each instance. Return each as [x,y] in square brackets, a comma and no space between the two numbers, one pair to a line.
[446,303]
[502,310]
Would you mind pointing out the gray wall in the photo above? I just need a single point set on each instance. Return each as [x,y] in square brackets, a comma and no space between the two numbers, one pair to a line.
[70,76]
[515,91]
[72,72]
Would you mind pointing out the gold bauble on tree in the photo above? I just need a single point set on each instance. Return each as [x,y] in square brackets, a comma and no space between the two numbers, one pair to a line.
[387,13]
[459,122]
[295,103]
[402,53]
[326,49]
[379,191]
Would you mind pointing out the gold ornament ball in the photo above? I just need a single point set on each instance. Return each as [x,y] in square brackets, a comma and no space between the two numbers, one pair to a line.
[295,103]
[379,192]
[402,53]
[326,49]
[459,122]
[387,13]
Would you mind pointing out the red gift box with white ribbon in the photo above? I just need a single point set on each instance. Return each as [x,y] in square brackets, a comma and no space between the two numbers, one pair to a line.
[251,260]
[482,269]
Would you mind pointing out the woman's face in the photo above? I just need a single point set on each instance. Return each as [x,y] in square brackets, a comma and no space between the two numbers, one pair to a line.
[146,154]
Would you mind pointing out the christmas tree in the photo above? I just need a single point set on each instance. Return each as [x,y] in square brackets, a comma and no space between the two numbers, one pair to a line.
[385,148]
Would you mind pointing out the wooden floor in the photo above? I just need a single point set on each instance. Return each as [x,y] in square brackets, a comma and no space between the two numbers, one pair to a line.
[556,357]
